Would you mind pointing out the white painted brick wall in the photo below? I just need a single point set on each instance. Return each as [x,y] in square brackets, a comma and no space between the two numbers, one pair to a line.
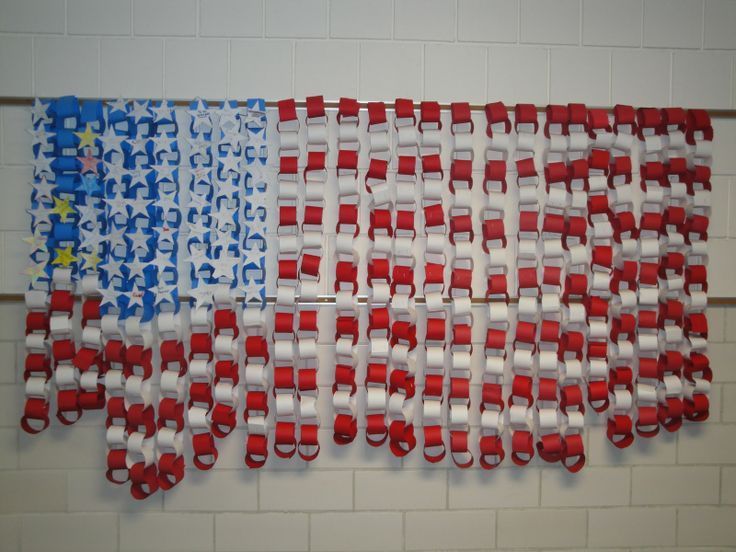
[675,491]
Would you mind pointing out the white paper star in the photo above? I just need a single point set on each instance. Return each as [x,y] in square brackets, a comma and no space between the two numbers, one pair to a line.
[223,267]
[138,240]
[112,142]
[227,189]
[198,203]
[202,295]
[201,175]
[229,163]
[40,214]
[140,111]
[116,205]
[109,295]
[135,268]
[229,115]
[139,206]
[201,121]
[164,172]
[163,142]
[162,112]
[253,255]
[164,293]
[42,165]
[198,146]
[162,262]
[198,258]
[135,297]
[40,137]
[224,215]
[37,241]
[116,237]
[112,268]
[43,189]
[39,112]
[167,202]
[252,292]
[87,214]
[114,172]
[137,145]
[222,240]
[118,105]
[165,234]
[197,231]
[138,177]
[91,239]
[234,139]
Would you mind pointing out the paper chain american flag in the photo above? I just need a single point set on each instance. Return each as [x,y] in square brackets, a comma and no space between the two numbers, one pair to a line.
[496,297]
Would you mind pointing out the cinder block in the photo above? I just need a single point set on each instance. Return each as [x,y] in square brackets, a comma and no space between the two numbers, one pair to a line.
[213,492]
[261,532]
[196,68]
[445,66]
[63,447]
[729,402]
[166,532]
[71,533]
[650,66]
[541,529]
[358,454]
[589,487]
[632,527]
[673,24]
[706,444]
[132,68]
[32,491]
[690,72]
[260,69]
[445,530]
[569,84]
[296,18]
[487,20]
[11,404]
[361,19]
[16,65]
[550,23]
[231,18]
[719,19]
[306,490]
[165,17]
[400,490]
[32,16]
[499,488]
[90,491]
[10,530]
[98,17]
[612,24]
[314,71]
[706,526]
[424,20]
[16,145]
[728,485]
[356,531]
[517,75]
[674,485]
[718,227]
[65,65]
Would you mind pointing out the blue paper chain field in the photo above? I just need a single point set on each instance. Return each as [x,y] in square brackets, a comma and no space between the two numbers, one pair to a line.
[254,207]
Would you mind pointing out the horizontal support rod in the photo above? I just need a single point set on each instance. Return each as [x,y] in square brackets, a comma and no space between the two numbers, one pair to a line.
[22,100]
[330,299]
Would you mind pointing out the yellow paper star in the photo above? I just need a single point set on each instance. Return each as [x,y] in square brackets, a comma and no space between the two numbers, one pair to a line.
[37,241]
[91,260]
[62,208]
[64,257]
[87,138]
[35,272]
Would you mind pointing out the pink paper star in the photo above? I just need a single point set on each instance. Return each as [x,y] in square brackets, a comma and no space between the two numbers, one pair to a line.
[89,163]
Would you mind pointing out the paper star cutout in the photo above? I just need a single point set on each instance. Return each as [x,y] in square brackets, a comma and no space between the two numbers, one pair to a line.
[229,163]
[42,164]
[138,240]
[252,291]
[136,268]
[201,175]
[222,240]
[90,185]
[135,297]
[87,138]
[112,268]
[229,114]
[138,177]
[227,189]
[198,258]
[140,111]
[137,145]
[114,172]
[91,260]
[109,295]
[87,213]
[118,105]
[223,267]
[165,234]
[201,295]
[162,112]
[43,188]
[197,231]
[163,142]
[255,206]
[36,272]
[165,172]
[37,241]
[89,163]
[40,136]
[201,121]
[116,205]
[91,239]
[198,203]
[112,142]
[116,237]
[62,208]
[224,215]
[39,112]
[167,202]
[253,256]
[40,214]
[64,256]
[198,146]
[164,293]
[234,139]
[162,262]
[138,207]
